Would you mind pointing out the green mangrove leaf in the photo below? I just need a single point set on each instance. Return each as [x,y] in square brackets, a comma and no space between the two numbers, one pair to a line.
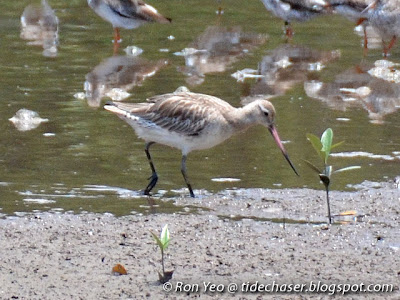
[316,143]
[337,144]
[326,141]
[164,237]
[347,169]
[312,166]
[158,241]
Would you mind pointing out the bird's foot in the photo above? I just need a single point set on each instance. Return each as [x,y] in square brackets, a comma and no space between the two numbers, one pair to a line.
[153,181]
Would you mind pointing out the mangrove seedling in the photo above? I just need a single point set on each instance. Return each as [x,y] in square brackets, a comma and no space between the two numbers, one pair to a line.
[163,243]
[323,147]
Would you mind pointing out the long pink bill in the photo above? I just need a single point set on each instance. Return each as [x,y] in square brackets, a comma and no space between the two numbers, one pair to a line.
[275,135]
[370,6]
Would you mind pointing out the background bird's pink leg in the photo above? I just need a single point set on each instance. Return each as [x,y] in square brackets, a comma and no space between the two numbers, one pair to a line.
[391,44]
[117,40]
[359,22]
[117,37]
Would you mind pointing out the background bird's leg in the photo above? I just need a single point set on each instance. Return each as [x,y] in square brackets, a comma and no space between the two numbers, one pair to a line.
[154,177]
[361,22]
[365,41]
[117,40]
[391,44]
[288,31]
[183,170]
[117,37]
[220,10]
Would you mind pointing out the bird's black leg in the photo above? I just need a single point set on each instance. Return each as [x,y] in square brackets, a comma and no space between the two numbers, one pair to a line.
[183,170]
[154,177]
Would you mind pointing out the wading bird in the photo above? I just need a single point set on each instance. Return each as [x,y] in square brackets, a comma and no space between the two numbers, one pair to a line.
[190,121]
[295,10]
[127,14]
[384,16]
[355,11]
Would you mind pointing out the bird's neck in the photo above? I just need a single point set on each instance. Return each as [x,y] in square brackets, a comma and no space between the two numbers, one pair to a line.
[243,117]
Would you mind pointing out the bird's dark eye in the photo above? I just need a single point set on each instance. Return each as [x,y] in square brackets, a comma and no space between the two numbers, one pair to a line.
[266,113]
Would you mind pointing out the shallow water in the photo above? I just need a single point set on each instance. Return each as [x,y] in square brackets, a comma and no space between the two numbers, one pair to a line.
[312,82]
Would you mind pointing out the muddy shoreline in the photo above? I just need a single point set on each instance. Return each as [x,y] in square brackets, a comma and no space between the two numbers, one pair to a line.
[243,237]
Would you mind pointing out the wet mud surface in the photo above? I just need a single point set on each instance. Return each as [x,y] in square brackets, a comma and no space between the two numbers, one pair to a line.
[241,237]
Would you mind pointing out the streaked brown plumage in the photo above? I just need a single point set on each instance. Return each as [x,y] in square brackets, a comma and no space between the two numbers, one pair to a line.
[190,121]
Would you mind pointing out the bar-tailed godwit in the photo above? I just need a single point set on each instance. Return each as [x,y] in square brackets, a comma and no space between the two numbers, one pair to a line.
[190,121]
[295,10]
[127,14]
[355,11]
[384,16]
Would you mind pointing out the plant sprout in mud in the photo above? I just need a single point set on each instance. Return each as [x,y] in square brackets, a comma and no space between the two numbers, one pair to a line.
[163,243]
[324,147]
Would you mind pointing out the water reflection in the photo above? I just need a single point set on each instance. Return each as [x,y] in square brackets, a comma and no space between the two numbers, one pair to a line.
[45,85]
[215,50]
[363,86]
[116,75]
[287,66]
[26,119]
[39,25]
[94,198]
